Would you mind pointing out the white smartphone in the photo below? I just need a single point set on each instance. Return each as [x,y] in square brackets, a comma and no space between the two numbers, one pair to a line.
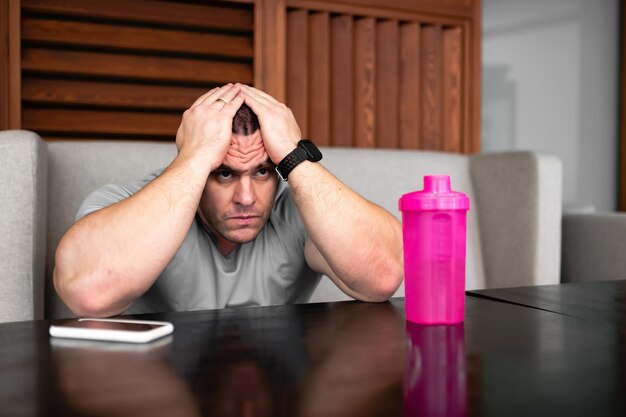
[112,330]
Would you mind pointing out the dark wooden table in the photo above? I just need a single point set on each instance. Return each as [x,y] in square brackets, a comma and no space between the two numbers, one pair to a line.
[541,351]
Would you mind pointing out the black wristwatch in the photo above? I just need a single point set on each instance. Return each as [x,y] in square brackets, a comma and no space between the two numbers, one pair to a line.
[306,151]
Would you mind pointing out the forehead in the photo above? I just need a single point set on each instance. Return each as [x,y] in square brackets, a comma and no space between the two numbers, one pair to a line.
[245,151]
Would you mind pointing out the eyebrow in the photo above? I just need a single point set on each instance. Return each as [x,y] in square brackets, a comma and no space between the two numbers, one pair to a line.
[267,164]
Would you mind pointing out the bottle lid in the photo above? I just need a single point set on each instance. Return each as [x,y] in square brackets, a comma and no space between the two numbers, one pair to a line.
[436,195]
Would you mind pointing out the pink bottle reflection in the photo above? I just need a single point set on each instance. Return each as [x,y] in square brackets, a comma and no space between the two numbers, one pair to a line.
[435,382]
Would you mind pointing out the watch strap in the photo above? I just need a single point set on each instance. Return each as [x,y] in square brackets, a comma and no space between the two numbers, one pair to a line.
[292,160]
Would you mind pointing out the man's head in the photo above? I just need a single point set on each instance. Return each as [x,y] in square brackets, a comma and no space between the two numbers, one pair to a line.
[238,197]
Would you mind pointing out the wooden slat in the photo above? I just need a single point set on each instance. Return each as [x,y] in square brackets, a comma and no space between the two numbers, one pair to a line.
[342,82]
[270,26]
[409,82]
[622,115]
[4,65]
[298,67]
[472,93]
[169,13]
[137,67]
[452,90]
[319,79]
[134,38]
[431,119]
[10,66]
[365,76]
[387,77]
[75,92]
[101,122]
[81,138]
[435,14]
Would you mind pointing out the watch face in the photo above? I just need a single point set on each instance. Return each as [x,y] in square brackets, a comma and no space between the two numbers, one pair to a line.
[313,153]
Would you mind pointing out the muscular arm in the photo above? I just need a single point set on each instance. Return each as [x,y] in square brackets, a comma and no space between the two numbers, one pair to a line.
[353,241]
[112,256]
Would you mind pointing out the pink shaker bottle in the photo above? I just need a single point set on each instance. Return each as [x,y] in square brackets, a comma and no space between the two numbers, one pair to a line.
[434,231]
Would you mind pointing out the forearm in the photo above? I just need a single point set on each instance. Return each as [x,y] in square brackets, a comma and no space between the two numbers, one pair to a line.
[112,256]
[360,241]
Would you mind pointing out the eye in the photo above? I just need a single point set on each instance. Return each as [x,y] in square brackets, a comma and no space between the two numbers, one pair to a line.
[223,176]
[263,173]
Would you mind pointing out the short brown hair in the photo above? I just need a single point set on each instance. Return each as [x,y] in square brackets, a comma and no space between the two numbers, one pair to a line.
[245,121]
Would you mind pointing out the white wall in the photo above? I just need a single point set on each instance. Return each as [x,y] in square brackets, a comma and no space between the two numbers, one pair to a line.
[550,84]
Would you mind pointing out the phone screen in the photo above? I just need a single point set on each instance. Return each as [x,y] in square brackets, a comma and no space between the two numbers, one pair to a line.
[109,325]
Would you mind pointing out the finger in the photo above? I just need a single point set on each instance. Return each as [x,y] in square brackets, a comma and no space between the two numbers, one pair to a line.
[227,96]
[258,95]
[233,105]
[211,98]
[257,107]
[263,96]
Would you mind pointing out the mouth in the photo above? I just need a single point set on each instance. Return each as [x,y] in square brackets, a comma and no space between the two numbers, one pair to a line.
[244,220]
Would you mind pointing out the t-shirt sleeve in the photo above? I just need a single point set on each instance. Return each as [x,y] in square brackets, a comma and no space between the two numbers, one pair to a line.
[112,193]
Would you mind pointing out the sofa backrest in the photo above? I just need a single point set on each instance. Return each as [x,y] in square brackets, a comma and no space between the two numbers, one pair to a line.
[514,223]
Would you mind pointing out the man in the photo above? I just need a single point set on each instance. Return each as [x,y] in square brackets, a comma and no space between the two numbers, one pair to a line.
[215,229]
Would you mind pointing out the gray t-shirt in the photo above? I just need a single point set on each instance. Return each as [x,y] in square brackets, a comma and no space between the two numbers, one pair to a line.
[269,270]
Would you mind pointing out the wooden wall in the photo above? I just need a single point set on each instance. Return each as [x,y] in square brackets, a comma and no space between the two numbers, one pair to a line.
[366,73]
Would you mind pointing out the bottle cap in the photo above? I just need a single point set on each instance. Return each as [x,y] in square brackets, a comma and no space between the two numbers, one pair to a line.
[436,195]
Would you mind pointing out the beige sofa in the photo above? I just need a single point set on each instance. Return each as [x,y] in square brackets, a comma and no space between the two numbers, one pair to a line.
[514,225]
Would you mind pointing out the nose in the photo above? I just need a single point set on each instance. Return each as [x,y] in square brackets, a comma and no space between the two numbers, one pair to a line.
[244,192]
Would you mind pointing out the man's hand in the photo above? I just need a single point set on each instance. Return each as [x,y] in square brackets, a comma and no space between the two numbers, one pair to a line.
[205,130]
[279,128]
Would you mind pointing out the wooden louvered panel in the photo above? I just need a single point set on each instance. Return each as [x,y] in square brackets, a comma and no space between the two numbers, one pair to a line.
[319,79]
[168,13]
[134,38]
[364,79]
[387,77]
[95,68]
[94,93]
[136,67]
[342,81]
[431,120]
[298,67]
[393,73]
[410,87]
[88,122]
[451,91]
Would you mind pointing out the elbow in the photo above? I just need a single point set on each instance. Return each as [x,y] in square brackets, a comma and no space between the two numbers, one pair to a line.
[79,290]
[76,295]
[386,280]
[390,282]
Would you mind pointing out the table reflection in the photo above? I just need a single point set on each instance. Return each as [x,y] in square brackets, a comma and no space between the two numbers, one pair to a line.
[435,382]
[357,362]
[120,379]
[345,359]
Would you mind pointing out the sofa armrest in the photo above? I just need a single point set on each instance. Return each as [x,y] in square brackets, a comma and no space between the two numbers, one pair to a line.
[23,183]
[518,197]
[593,247]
